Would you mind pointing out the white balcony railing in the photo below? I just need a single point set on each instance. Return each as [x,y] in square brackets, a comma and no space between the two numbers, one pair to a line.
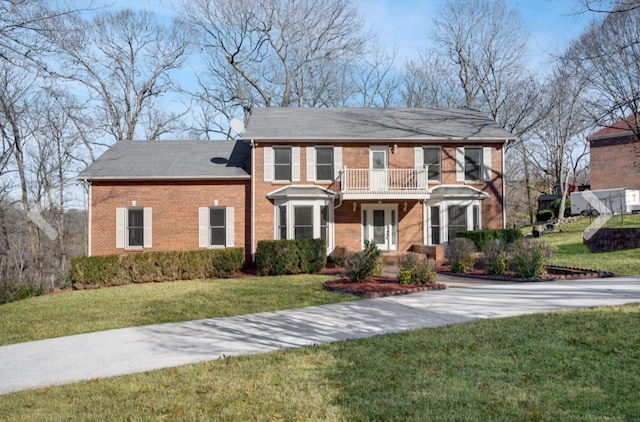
[384,182]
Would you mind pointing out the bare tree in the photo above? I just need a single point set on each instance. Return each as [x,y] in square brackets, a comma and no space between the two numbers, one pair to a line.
[430,82]
[561,143]
[483,43]
[609,6]
[607,56]
[124,61]
[273,53]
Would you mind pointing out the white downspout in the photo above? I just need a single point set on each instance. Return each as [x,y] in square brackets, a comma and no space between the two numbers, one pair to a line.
[253,200]
[504,189]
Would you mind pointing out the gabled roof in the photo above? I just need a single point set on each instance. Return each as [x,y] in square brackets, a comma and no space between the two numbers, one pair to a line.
[127,160]
[353,124]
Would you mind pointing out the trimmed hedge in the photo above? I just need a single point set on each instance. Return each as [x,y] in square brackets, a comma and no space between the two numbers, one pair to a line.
[116,270]
[481,237]
[280,257]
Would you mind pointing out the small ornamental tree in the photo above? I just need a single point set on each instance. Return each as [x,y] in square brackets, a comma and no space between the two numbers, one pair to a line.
[363,264]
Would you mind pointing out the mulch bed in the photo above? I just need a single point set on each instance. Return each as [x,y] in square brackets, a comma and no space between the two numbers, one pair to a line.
[378,286]
[554,273]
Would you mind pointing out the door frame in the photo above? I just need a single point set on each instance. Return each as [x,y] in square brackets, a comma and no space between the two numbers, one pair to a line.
[390,224]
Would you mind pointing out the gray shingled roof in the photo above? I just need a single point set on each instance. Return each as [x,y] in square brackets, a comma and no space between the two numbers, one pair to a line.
[408,124]
[171,160]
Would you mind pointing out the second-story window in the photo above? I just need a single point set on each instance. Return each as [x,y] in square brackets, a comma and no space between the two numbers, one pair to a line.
[324,163]
[282,163]
[472,163]
[432,160]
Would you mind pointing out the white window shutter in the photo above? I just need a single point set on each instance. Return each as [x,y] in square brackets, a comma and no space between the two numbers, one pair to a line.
[203,227]
[230,226]
[311,164]
[486,164]
[418,163]
[268,164]
[418,157]
[121,216]
[148,243]
[337,161]
[295,164]
[460,164]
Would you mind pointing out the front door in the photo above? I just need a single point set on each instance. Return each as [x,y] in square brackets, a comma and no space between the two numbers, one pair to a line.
[378,167]
[380,225]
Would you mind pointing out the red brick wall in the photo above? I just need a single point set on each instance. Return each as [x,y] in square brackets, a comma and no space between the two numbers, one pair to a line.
[174,211]
[356,155]
[615,164]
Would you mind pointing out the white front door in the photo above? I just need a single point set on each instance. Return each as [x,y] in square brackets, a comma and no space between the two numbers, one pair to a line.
[380,225]
[378,161]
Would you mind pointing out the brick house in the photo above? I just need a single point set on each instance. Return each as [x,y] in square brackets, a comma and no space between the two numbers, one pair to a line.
[615,157]
[397,177]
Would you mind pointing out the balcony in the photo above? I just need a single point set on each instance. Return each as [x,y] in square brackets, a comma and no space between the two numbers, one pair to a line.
[383,184]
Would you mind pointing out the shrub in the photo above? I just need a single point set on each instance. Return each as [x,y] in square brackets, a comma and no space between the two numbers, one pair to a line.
[494,258]
[460,254]
[415,268]
[312,254]
[481,237]
[280,257]
[527,258]
[11,292]
[363,264]
[277,257]
[555,207]
[114,270]
[544,215]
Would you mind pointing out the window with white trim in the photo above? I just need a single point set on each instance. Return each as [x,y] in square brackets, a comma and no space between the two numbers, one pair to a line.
[133,228]
[324,163]
[304,219]
[432,158]
[457,219]
[216,227]
[282,163]
[473,164]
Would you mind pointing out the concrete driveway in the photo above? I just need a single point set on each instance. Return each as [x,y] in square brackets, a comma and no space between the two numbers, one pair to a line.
[124,351]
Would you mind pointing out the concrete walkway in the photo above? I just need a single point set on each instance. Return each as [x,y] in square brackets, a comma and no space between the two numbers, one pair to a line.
[124,351]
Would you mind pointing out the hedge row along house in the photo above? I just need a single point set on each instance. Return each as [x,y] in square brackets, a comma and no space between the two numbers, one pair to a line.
[397,177]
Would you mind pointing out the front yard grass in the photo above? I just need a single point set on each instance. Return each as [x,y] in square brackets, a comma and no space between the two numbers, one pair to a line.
[570,366]
[569,249]
[86,311]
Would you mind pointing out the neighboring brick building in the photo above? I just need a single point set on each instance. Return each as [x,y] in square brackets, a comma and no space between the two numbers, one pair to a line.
[615,157]
[398,177]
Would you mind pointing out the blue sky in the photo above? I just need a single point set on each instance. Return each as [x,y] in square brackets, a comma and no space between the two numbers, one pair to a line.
[405,24]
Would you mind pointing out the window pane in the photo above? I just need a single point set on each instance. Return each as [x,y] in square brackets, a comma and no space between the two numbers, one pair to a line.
[378,159]
[216,217]
[435,225]
[218,235]
[457,220]
[432,159]
[136,236]
[282,221]
[323,222]
[135,226]
[303,222]
[324,155]
[324,163]
[472,161]
[282,163]
[282,155]
[476,217]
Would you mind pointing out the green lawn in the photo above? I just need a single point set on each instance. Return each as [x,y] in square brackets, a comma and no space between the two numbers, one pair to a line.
[566,242]
[85,311]
[571,366]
